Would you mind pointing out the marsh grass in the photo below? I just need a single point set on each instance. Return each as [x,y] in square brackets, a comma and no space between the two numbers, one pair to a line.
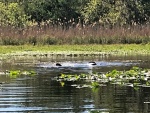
[55,35]
[75,50]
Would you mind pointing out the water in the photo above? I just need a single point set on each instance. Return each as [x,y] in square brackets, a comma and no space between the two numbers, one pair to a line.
[42,94]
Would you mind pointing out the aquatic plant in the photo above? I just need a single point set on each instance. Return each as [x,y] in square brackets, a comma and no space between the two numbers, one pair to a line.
[28,72]
[148,83]
[99,111]
[14,74]
[135,77]
[113,73]
[95,84]
[17,73]
[62,83]
[64,77]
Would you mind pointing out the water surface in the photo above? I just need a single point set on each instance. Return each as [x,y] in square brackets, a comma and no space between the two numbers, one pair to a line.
[40,93]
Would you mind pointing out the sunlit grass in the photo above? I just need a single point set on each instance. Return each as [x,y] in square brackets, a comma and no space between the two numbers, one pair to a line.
[115,49]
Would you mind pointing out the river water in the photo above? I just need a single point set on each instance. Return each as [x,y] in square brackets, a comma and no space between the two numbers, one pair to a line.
[41,94]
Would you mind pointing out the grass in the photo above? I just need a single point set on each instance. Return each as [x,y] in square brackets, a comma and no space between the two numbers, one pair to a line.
[93,49]
[49,35]
[93,40]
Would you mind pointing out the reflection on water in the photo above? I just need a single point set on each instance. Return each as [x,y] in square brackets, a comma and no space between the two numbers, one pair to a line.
[41,94]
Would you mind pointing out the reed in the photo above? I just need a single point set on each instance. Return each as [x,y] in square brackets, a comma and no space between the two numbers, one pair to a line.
[55,35]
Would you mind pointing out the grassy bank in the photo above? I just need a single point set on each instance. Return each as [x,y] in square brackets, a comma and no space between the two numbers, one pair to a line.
[116,49]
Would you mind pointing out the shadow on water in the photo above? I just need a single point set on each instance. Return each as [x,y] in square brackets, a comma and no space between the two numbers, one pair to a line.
[40,93]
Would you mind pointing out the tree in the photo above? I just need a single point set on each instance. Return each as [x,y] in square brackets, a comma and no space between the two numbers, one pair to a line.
[94,10]
[114,12]
[62,12]
[66,12]
[12,15]
[135,12]
[146,7]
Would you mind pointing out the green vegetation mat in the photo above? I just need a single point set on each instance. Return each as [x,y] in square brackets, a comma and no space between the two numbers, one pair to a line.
[135,77]
[116,49]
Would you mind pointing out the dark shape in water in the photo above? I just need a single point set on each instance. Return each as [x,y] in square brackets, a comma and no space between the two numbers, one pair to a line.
[92,63]
[58,64]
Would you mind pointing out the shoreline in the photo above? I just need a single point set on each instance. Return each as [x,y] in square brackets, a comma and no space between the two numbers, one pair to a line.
[75,50]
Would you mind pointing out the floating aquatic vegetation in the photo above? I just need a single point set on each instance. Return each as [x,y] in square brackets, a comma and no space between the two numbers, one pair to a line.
[99,111]
[114,73]
[17,73]
[95,84]
[62,83]
[14,74]
[64,77]
[135,77]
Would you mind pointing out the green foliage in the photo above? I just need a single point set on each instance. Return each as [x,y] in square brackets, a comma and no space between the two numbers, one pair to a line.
[57,12]
[89,50]
[50,40]
[148,83]
[11,41]
[135,12]
[66,12]
[62,76]
[33,40]
[135,71]
[146,8]
[65,77]
[12,15]
[36,9]
[17,73]
[135,77]
[95,84]
[115,12]
[114,73]
[94,10]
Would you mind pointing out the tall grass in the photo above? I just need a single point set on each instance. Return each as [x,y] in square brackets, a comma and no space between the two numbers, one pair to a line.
[55,35]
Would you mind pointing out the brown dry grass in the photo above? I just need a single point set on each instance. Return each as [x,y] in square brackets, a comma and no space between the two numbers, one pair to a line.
[48,35]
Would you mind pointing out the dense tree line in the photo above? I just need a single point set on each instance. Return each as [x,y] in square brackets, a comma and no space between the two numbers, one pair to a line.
[20,13]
